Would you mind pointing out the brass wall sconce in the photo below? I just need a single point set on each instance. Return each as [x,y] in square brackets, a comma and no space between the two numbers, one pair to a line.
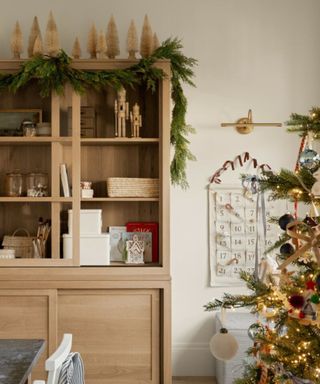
[245,125]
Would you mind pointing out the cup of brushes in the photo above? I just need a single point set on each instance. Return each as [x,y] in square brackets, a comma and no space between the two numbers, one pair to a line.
[39,242]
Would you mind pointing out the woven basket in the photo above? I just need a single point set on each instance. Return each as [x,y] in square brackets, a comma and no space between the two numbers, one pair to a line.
[21,244]
[132,187]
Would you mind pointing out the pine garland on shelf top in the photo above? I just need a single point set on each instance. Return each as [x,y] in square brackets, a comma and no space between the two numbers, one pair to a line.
[52,73]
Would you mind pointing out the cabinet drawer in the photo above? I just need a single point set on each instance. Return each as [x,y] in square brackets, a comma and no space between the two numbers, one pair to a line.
[29,314]
[117,333]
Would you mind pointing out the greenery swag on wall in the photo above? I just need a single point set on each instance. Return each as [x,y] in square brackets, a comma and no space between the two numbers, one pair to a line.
[52,73]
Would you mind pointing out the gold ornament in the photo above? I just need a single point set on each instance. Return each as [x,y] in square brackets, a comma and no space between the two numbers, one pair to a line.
[295,193]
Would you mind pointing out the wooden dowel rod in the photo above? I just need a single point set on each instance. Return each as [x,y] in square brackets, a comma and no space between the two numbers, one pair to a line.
[250,124]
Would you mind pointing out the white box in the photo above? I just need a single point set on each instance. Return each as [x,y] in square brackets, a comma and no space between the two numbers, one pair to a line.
[90,221]
[237,323]
[94,249]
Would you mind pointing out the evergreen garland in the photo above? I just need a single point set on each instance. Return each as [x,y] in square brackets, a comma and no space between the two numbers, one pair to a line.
[52,73]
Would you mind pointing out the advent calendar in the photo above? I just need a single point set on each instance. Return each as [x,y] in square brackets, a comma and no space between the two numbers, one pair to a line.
[239,231]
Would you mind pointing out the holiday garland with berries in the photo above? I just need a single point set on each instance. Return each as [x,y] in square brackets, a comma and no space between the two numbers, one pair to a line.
[286,335]
[52,73]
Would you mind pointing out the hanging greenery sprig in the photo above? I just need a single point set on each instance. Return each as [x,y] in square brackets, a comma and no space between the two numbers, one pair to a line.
[52,73]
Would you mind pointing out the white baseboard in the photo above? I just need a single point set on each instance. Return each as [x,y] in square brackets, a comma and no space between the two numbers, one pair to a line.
[192,359]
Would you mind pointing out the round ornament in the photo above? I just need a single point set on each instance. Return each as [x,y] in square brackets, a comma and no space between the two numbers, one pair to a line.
[295,193]
[297,301]
[255,329]
[286,249]
[315,299]
[223,345]
[309,159]
[284,220]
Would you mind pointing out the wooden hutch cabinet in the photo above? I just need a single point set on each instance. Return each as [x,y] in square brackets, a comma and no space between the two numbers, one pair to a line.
[119,314]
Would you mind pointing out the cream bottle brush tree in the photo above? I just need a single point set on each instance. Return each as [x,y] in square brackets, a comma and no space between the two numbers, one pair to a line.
[112,39]
[146,41]
[38,46]
[16,41]
[92,42]
[34,33]
[76,49]
[132,41]
[101,45]
[52,45]
[156,42]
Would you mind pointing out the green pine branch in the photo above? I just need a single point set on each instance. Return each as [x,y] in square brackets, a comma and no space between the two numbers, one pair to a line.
[305,123]
[282,184]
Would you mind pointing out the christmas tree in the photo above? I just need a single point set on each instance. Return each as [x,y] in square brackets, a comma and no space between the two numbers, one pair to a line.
[286,335]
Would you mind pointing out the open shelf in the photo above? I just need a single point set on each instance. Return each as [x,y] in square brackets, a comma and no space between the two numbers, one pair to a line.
[119,141]
[120,199]
[26,199]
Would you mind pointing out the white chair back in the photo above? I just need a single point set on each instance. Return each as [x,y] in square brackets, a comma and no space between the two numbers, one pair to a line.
[55,361]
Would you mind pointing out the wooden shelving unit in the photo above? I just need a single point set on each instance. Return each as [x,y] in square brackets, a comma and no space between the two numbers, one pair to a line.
[119,315]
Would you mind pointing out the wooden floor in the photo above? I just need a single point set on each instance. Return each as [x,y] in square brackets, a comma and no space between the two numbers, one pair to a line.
[193,380]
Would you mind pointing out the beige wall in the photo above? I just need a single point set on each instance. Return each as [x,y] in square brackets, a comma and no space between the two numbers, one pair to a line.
[262,54]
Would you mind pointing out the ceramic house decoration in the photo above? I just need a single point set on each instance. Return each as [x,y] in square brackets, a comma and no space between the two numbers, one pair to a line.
[135,251]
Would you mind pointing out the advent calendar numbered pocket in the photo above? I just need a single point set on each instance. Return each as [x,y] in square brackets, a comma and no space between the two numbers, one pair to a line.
[223,242]
[238,243]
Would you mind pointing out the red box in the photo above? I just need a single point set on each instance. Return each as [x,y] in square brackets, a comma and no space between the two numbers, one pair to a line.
[152,227]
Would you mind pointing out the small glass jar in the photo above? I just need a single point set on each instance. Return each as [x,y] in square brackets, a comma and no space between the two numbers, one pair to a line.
[28,128]
[14,184]
[37,184]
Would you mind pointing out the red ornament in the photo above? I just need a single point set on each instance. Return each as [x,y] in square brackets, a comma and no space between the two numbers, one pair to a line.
[310,285]
[290,310]
[297,301]
[301,315]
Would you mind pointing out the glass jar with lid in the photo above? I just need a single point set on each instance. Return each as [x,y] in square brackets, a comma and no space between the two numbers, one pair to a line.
[37,184]
[14,184]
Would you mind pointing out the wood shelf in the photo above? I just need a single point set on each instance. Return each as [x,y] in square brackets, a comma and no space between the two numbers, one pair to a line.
[113,199]
[25,199]
[36,263]
[120,141]
[36,140]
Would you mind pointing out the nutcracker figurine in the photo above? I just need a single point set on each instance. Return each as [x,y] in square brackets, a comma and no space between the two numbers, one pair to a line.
[136,121]
[121,112]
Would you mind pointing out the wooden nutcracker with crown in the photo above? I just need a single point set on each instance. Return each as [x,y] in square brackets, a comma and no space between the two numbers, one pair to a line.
[135,120]
[121,112]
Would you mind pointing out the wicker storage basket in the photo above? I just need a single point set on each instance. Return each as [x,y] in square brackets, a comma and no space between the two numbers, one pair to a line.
[132,187]
[21,244]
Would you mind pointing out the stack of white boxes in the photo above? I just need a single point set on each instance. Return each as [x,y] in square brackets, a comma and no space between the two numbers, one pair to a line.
[237,324]
[94,245]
